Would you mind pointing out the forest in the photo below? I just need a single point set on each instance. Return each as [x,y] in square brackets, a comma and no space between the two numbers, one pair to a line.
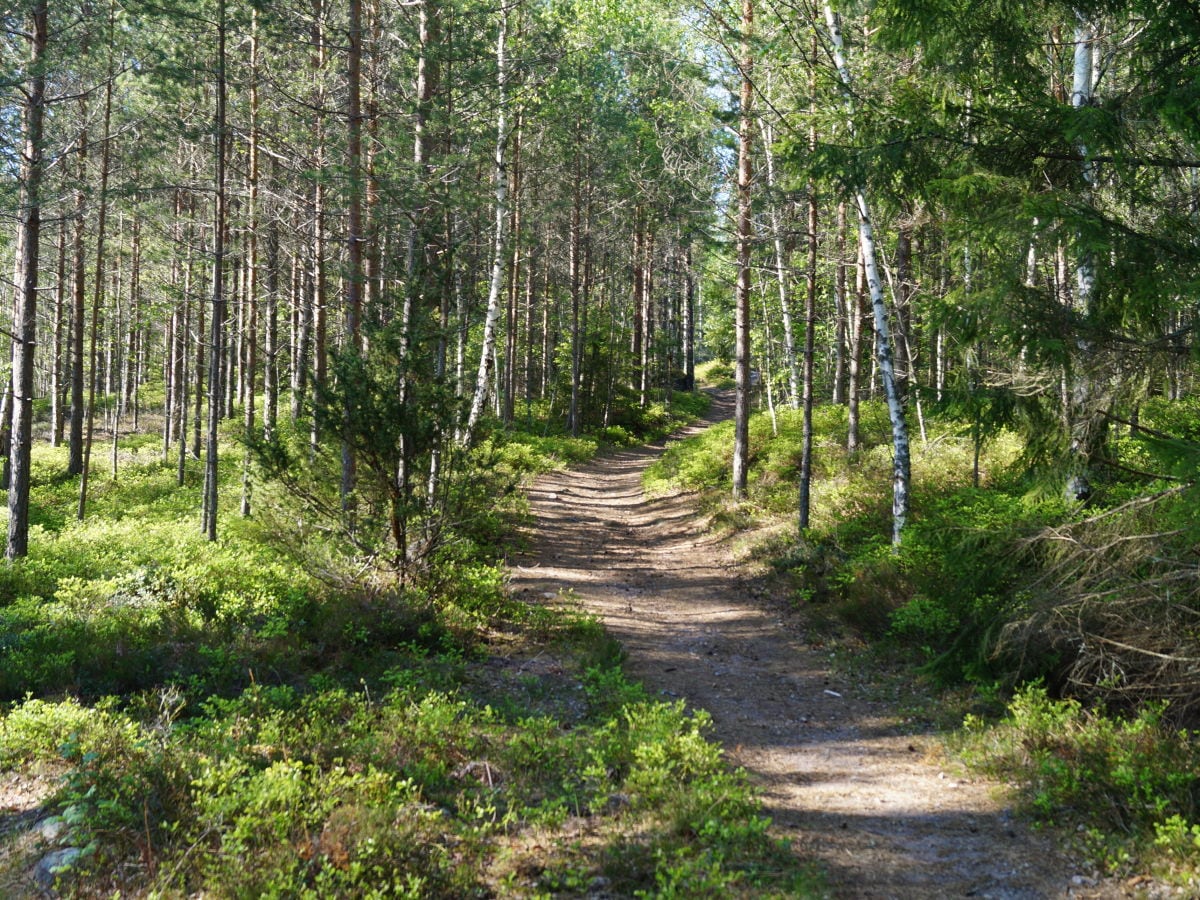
[305,294]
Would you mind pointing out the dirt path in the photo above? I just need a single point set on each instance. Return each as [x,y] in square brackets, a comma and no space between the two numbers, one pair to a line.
[840,775]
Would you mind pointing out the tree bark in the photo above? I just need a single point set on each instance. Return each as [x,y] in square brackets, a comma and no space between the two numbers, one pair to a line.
[216,338]
[97,294]
[639,276]
[689,323]
[25,318]
[355,271]
[78,311]
[575,252]
[741,421]
[646,305]
[56,371]
[1086,403]
[500,239]
[782,269]
[810,327]
[271,335]
[901,461]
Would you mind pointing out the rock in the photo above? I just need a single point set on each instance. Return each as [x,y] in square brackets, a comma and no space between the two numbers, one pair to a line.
[54,866]
[52,830]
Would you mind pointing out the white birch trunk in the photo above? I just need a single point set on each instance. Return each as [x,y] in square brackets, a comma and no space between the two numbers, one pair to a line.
[901,459]
[1081,96]
[1082,390]
[495,288]
[781,270]
[741,415]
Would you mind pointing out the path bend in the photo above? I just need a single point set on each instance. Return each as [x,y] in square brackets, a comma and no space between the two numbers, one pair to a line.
[838,772]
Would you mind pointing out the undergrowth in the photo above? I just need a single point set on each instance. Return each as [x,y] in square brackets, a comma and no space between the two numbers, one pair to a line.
[228,720]
[999,583]
[1126,788]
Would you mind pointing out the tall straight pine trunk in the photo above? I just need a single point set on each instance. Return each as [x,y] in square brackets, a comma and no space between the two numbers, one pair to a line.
[217,325]
[355,269]
[25,318]
[98,289]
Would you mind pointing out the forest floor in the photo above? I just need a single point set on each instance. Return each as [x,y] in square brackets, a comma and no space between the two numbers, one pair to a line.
[849,775]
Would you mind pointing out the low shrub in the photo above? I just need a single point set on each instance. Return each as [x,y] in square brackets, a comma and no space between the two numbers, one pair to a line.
[1129,788]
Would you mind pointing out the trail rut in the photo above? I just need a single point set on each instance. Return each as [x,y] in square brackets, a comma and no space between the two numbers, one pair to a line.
[844,777]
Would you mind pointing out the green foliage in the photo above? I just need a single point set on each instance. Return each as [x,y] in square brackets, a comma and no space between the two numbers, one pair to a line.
[956,581]
[717,373]
[37,730]
[269,732]
[333,792]
[1129,786]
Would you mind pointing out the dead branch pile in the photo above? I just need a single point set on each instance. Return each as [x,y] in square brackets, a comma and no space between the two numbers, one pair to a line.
[1116,604]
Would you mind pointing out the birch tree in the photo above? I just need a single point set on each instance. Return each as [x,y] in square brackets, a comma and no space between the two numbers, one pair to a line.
[745,226]
[1085,412]
[499,240]
[901,460]
[782,261]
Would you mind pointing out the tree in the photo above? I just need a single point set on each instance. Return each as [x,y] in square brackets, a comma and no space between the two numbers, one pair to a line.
[741,426]
[901,460]
[217,323]
[25,316]
[355,239]
[98,286]
[499,239]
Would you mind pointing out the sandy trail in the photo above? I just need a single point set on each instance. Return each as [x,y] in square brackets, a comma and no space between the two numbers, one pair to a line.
[839,774]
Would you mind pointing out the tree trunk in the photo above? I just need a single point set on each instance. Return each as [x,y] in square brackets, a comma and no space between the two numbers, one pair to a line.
[902,292]
[78,312]
[646,305]
[514,281]
[841,311]
[856,313]
[56,371]
[1085,400]
[901,463]
[689,323]
[500,240]
[574,263]
[128,379]
[97,293]
[810,326]
[25,318]
[271,335]
[252,293]
[303,301]
[182,391]
[741,422]
[200,364]
[639,275]
[782,268]
[216,340]
[355,239]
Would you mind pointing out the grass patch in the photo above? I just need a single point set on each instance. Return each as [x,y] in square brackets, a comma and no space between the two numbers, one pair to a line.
[228,721]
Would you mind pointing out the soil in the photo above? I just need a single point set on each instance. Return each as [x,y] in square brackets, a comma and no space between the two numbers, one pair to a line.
[853,782]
